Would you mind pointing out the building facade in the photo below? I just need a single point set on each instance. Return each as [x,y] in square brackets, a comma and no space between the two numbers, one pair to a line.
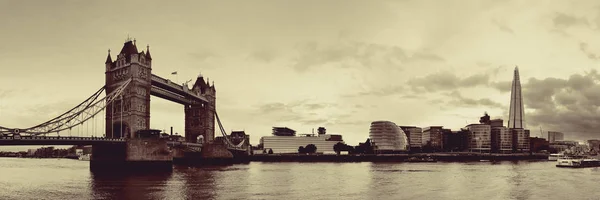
[479,137]
[503,141]
[520,139]
[386,136]
[433,138]
[415,137]
[290,144]
[455,141]
[554,136]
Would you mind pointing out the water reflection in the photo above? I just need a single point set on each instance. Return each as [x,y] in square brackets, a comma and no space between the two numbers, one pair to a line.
[192,183]
[69,179]
[129,186]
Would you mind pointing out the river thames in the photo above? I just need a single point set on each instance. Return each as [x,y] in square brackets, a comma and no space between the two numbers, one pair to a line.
[71,179]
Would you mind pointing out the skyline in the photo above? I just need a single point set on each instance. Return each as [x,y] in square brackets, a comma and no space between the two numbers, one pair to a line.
[308,67]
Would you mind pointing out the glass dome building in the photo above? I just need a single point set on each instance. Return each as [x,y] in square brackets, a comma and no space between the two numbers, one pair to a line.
[386,136]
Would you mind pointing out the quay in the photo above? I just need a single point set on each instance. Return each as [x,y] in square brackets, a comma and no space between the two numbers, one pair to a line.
[442,157]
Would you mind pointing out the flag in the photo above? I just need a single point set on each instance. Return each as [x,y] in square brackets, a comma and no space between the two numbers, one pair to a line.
[174,73]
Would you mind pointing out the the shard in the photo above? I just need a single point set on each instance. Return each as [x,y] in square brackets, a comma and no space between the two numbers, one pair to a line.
[516,115]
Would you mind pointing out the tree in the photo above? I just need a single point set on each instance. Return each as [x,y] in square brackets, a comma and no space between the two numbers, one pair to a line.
[338,147]
[301,150]
[311,148]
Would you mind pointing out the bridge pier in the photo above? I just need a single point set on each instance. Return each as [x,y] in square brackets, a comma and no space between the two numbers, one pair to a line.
[137,154]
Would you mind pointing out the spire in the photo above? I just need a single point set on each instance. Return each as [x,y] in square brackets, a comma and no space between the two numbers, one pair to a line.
[516,112]
[148,52]
[108,58]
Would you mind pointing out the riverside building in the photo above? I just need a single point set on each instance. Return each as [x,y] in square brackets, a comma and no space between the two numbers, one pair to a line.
[284,140]
[415,137]
[387,137]
[479,137]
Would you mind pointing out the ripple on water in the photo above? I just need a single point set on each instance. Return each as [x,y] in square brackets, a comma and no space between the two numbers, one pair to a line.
[71,179]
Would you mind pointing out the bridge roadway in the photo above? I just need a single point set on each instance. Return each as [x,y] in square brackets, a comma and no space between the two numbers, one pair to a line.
[56,140]
[168,90]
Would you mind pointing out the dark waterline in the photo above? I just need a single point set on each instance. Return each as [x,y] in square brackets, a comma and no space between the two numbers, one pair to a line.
[71,179]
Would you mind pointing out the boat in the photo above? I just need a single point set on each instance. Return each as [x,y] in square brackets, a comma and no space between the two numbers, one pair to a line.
[577,162]
[85,157]
[555,156]
[415,159]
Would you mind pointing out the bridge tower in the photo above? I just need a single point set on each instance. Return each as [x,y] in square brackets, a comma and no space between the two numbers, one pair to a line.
[131,112]
[200,117]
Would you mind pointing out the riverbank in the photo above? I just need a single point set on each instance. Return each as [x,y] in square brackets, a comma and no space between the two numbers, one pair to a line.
[444,157]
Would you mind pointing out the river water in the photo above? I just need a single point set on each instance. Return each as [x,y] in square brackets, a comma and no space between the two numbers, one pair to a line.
[71,179]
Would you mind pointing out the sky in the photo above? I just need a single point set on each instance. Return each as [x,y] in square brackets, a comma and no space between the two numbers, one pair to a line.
[306,64]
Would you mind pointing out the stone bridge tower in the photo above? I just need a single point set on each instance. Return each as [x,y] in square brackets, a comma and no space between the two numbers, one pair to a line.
[200,118]
[131,113]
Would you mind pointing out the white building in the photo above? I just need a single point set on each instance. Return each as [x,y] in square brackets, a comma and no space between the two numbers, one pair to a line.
[387,136]
[290,144]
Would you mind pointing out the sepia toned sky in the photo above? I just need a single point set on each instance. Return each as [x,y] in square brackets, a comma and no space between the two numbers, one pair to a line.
[305,64]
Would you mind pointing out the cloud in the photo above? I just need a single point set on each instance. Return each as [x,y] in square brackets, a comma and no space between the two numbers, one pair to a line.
[383,91]
[570,105]
[502,26]
[456,99]
[352,53]
[584,48]
[6,93]
[296,111]
[502,86]
[264,55]
[562,20]
[445,80]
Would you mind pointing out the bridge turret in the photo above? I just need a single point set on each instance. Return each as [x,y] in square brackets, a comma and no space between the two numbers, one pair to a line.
[200,118]
[109,63]
[127,116]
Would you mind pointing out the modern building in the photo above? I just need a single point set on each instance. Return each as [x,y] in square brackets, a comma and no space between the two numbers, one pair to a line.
[455,141]
[290,143]
[502,139]
[432,137]
[386,136]
[479,137]
[520,139]
[415,137]
[538,144]
[516,113]
[554,136]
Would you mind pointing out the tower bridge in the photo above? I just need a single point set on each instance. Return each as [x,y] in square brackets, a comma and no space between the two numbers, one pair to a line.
[129,84]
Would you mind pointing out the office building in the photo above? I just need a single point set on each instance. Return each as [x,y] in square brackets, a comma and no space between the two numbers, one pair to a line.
[554,136]
[415,137]
[432,138]
[386,136]
[479,137]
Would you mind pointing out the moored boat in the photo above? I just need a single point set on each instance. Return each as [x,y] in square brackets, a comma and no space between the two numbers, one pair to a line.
[555,156]
[425,159]
[577,162]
